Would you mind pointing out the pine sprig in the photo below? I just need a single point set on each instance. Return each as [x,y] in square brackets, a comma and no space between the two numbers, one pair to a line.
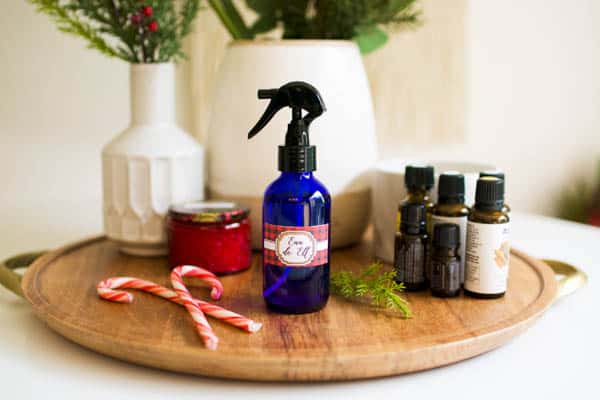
[148,31]
[67,21]
[188,12]
[379,287]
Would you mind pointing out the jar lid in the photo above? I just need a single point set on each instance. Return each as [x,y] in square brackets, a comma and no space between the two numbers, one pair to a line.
[208,212]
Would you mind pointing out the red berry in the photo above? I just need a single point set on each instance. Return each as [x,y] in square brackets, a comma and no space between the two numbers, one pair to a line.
[147,10]
[153,26]
[136,19]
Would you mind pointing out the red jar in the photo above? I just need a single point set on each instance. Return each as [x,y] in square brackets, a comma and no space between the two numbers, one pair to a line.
[209,234]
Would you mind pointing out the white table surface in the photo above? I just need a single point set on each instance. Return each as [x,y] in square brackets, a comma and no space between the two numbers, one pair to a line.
[556,358]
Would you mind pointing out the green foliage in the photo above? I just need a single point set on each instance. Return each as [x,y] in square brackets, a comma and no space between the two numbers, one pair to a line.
[578,202]
[230,18]
[361,20]
[109,26]
[370,39]
[379,287]
[574,203]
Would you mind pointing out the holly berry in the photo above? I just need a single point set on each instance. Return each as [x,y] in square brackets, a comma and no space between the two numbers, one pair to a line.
[153,26]
[148,11]
[136,19]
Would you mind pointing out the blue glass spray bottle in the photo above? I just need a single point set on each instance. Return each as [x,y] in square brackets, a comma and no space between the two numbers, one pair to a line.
[296,210]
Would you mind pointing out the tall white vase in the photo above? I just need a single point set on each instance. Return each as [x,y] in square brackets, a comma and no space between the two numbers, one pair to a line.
[150,165]
[240,169]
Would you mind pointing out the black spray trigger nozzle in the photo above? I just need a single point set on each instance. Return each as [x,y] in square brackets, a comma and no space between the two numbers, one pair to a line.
[297,154]
[296,95]
[267,93]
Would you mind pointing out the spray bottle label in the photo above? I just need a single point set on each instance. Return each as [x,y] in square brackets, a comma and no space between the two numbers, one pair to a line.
[296,246]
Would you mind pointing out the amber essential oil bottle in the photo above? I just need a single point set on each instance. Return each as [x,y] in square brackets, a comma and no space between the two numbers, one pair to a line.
[418,181]
[411,246]
[445,260]
[488,242]
[500,175]
[451,208]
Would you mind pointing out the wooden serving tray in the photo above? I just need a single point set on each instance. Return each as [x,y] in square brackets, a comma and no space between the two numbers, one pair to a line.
[346,340]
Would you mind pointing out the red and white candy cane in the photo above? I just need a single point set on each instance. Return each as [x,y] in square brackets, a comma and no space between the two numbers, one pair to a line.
[204,275]
[106,290]
[202,326]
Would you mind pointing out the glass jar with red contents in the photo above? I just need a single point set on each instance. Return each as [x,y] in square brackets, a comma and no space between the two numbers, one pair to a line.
[214,235]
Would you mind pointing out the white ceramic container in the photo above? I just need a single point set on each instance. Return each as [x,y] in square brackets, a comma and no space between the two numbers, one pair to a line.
[389,191]
[240,170]
[150,165]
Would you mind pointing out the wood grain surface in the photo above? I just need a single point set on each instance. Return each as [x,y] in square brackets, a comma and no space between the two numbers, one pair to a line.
[345,341]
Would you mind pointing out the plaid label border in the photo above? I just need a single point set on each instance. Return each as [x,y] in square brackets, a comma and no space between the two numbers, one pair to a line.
[296,246]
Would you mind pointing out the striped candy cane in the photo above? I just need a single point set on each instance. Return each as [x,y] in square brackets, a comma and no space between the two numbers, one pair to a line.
[204,275]
[202,326]
[106,290]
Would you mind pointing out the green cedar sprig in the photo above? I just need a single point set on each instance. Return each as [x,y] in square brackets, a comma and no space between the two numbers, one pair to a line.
[120,28]
[379,287]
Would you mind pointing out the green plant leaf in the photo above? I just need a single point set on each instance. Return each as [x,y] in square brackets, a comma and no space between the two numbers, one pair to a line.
[264,23]
[370,39]
[231,19]
[262,7]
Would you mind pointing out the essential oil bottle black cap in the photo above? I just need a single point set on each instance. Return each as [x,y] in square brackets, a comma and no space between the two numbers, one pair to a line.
[451,188]
[496,174]
[446,235]
[489,193]
[418,177]
[413,218]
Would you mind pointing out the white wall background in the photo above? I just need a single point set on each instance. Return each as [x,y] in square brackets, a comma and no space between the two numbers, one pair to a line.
[534,94]
[533,91]
[533,97]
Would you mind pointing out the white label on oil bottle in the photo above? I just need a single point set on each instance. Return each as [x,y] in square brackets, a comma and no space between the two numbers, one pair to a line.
[487,258]
[462,224]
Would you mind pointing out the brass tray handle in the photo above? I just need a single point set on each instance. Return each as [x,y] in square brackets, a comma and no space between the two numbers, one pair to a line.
[569,277]
[9,278]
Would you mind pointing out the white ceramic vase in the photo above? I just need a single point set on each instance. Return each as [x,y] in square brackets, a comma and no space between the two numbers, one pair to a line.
[240,170]
[150,165]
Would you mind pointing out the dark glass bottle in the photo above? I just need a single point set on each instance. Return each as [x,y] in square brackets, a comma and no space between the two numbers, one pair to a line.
[500,175]
[410,256]
[488,242]
[418,181]
[451,208]
[445,260]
